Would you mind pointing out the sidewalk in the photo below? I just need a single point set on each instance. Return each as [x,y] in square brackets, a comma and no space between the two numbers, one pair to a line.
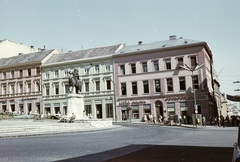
[25,128]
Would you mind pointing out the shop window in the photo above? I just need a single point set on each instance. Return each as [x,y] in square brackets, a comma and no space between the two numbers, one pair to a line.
[184,110]
[109,110]
[171,108]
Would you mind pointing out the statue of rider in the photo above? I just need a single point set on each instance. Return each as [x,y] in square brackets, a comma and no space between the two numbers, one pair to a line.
[75,74]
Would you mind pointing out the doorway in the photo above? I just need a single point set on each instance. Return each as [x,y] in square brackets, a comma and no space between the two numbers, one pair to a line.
[99,111]
[159,109]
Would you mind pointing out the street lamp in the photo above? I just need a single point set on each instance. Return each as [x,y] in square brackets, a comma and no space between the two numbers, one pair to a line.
[192,69]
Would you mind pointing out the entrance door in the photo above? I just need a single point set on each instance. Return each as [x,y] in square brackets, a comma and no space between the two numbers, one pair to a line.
[29,105]
[159,109]
[99,111]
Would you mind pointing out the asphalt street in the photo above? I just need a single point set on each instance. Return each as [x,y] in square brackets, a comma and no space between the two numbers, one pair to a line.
[127,143]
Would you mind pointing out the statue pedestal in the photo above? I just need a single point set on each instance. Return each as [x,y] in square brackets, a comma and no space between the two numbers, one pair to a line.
[75,104]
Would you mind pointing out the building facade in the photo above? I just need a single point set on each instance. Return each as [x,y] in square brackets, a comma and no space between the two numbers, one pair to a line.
[20,78]
[95,68]
[149,81]
[9,48]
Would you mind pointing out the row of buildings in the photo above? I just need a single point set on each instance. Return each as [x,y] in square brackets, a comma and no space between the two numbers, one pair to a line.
[143,78]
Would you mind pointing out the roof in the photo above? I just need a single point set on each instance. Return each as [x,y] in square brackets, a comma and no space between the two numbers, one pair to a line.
[157,45]
[24,58]
[87,53]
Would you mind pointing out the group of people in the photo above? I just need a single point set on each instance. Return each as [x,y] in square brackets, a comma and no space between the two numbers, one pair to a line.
[220,121]
[67,119]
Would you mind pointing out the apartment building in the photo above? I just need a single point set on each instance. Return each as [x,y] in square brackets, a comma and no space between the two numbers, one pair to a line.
[148,79]
[9,48]
[20,82]
[95,68]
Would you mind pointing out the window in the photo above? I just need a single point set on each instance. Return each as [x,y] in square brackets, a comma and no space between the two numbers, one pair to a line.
[169,85]
[133,68]
[157,85]
[123,88]
[144,67]
[182,84]
[108,68]
[37,87]
[171,108]
[66,89]
[38,70]
[96,68]
[47,90]
[4,90]
[56,89]
[47,75]
[134,87]
[29,72]
[145,87]
[20,73]
[86,69]
[122,70]
[97,85]
[180,61]
[195,82]
[20,88]
[56,74]
[66,73]
[12,74]
[108,82]
[4,75]
[86,86]
[193,60]
[12,89]
[156,65]
[184,110]
[168,64]
[88,109]
[29,87]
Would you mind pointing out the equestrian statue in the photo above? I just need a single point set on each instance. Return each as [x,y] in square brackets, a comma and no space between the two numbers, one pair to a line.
[74,81]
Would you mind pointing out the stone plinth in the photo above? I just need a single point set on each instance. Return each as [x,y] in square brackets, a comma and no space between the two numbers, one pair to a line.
[75,104]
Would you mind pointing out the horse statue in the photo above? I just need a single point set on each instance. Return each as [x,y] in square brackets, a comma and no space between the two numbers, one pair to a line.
[74,81]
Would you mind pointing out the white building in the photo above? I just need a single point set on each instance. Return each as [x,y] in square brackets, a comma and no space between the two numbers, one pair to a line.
[95,67]
[9,48]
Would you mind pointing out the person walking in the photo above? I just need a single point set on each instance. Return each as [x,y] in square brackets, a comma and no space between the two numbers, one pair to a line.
[204,121]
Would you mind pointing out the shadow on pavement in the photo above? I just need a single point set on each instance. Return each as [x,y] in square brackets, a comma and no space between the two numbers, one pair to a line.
[158,153]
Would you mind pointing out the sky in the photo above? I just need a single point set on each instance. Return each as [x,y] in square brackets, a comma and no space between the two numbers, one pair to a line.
[80,24]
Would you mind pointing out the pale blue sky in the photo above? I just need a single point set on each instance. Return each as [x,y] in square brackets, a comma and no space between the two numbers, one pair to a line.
[71,24]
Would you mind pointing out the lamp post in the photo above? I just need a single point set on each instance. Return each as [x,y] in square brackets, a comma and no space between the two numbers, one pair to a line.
[192,69]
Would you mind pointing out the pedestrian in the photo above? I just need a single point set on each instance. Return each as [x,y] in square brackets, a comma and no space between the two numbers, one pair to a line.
[227,118]
[222,120]
[204,121]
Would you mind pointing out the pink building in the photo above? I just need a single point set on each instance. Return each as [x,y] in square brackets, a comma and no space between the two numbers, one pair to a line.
[20,81]
[148,79]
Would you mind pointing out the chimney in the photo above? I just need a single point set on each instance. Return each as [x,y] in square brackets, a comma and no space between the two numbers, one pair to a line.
[172,37]
[19,53]
[139,42]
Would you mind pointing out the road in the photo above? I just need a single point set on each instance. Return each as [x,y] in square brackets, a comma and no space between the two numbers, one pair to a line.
[128,143]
